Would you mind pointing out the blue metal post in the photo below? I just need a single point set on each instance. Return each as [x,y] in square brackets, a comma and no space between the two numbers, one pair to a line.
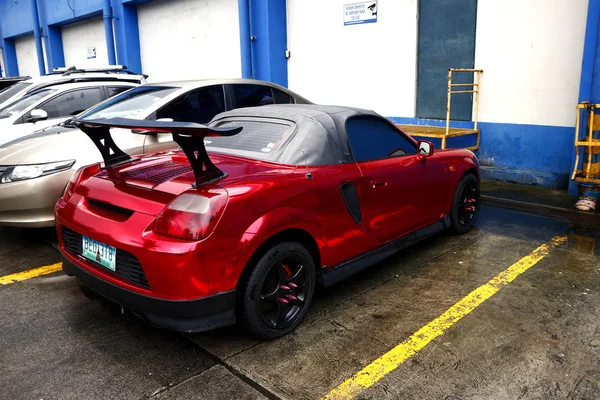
[11,67]
[38,37]
[245,46]
[589,64]
[108,30]
[2,60]
[127,35]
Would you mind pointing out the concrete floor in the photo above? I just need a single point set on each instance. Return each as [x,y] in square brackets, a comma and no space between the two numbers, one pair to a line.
[538,338]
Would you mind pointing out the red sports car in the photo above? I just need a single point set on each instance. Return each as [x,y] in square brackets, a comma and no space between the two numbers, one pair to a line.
[253,211]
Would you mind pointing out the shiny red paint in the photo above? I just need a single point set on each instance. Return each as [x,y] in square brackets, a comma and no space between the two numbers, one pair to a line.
[397,196]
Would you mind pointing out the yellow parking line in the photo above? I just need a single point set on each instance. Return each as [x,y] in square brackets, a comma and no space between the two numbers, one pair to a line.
[391,360]
[32,273]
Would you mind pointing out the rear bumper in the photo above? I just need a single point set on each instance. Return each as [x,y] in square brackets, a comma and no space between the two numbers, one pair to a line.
[196,315]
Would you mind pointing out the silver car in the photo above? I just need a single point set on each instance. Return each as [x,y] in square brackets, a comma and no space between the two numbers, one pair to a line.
[35,170]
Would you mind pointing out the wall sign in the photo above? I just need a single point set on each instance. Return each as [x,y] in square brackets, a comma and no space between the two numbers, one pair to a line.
[91,52]
[360,13]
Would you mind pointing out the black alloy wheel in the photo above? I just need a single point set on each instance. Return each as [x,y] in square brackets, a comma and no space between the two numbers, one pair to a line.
[465,206]
[278,291]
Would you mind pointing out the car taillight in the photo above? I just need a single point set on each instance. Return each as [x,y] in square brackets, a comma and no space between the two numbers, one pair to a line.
[78,177]
[192,216]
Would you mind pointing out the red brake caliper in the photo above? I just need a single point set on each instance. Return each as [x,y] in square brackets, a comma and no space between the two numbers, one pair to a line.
[290,285]
[470,204]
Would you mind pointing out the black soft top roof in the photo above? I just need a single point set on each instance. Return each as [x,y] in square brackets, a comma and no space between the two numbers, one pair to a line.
[319,137]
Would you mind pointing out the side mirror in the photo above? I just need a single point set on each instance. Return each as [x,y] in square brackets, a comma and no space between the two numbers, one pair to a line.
[37,115]
[424,149]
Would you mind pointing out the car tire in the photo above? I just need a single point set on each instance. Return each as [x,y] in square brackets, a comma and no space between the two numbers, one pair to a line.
[465,205]
[278,291]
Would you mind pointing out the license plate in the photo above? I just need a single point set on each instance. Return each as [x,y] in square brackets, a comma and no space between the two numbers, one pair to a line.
[101,253]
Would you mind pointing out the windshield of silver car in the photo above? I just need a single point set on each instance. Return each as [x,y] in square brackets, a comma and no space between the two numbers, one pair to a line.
[23,103]
[128,104]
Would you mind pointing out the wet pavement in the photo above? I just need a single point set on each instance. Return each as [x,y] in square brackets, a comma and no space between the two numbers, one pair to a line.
[537,338]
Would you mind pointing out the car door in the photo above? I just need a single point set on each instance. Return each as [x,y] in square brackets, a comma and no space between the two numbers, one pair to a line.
[397,183]
[199,106]
[64,106]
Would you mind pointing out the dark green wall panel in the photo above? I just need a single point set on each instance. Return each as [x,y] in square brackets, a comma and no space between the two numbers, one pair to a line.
[446,40]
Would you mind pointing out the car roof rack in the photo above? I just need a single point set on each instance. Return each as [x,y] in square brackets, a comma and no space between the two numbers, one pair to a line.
[65,71]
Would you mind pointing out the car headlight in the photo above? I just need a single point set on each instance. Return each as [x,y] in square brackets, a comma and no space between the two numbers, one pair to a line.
[24,172]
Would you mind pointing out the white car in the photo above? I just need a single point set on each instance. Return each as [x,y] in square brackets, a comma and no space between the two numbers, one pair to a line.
[53,105]
[116,73]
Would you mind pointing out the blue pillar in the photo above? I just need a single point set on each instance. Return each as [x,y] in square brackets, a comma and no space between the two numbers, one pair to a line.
[3,60]
[54,47]
[245,48]
[10,58]
[589,88]
[108,31]
[38,37]
[52,35]
[127,35]
[269,27]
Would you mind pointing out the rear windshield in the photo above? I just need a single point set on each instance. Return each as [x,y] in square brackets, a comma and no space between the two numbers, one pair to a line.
[10,91]
[259,140]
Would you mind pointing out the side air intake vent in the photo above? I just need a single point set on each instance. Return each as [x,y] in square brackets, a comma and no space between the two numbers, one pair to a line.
[350,197]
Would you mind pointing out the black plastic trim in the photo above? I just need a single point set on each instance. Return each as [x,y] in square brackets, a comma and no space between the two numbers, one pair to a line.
[197,315]
[331,276]
[351,201]
[110,207]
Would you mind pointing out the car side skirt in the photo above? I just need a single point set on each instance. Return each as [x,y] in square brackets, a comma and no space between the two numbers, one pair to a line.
[331,276]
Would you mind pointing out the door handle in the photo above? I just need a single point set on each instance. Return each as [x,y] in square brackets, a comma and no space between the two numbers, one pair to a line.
[377,184]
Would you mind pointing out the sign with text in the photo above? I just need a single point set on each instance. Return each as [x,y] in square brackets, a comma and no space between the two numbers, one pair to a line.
[360,13]
[91,52]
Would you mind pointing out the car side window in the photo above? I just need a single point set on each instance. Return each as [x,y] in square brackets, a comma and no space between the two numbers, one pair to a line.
[282,97]
[373,138]
[252,95]
[198,106]
[114,90]
[72,103]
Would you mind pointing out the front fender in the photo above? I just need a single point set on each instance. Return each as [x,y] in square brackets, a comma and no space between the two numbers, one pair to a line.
[466,164]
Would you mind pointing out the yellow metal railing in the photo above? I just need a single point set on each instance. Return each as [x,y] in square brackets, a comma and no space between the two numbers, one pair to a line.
[475,90]
[590,170]
[441,132]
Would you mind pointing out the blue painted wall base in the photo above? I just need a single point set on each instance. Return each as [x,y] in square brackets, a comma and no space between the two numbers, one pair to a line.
[527,154]
[536,178]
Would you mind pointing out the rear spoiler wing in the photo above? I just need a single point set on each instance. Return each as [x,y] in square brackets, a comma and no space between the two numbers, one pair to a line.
[188,135]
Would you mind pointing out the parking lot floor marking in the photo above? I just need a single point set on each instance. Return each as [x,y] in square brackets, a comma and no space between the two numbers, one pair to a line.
[391,360]
[32,273]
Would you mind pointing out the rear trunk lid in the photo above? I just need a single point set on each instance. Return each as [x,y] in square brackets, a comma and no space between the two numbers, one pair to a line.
[147,185]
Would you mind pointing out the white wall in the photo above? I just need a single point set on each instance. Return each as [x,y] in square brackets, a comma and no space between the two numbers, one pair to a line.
[370,65]
[27,56]
[190,39]
[80,36]
[531,53]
